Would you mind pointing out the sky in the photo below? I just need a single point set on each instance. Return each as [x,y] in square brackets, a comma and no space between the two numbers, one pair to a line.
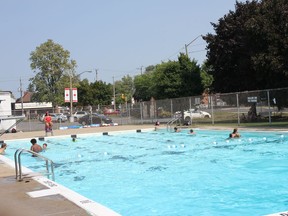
[111,38]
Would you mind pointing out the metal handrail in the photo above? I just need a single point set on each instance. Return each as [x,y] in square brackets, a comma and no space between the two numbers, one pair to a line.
[18,167]
[171,122]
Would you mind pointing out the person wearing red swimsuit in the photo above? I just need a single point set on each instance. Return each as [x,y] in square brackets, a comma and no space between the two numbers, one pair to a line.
[48,123]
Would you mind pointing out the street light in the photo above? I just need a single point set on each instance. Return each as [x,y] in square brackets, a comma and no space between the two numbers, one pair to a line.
[71,96]
[114,96]
[186,45]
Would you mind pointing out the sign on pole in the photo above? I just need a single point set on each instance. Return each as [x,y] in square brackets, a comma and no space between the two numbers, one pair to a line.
[67,95]
[252,99]
[74,95]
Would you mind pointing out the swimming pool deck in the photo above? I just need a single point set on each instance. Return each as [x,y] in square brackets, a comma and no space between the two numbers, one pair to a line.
[14,198]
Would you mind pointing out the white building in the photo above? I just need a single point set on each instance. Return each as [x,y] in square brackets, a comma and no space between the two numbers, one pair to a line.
[6,118]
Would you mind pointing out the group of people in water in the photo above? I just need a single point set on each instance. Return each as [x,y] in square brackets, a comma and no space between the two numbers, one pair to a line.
[234,133]
[36,147]
[48,128]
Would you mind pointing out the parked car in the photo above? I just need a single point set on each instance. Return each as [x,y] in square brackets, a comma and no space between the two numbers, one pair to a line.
[111,112]
[79,114]
[192,113]
[61,117]
[95,118]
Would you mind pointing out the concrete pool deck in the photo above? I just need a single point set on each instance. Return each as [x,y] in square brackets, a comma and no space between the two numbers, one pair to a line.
[14,198]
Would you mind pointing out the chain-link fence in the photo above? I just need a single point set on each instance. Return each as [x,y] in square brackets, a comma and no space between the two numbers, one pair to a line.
[252,107]
[265,107]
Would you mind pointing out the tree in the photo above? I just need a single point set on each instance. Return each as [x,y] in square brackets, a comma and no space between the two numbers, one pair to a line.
[170,79]
[190,74]
[144,84]
[50,62]
[97,93]
[206,77]
[167,80]
[249,49]
[124,89]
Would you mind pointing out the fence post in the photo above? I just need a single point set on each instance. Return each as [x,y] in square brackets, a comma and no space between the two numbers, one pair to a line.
[269,114]
[238,110]
[141,112]
[190,107]
[171,106]
[212,112]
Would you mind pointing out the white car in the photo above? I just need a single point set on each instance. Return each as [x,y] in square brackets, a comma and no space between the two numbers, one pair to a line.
[79,114]
[193,113]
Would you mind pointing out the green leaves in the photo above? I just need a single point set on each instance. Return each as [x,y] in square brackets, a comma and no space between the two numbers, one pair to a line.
[170,79]
[249,49]
[49,61]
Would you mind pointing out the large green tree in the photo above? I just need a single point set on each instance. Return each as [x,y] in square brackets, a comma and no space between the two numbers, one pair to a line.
[124,89]
[190,74]
[97,93]
[206,77]
[170,79]
[249,48]
[144,85]
[50,61]
[167,80]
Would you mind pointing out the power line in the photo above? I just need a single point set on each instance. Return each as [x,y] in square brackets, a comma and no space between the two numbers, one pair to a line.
[197,51]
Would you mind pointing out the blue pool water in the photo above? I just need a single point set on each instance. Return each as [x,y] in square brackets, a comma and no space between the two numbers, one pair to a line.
[167,173]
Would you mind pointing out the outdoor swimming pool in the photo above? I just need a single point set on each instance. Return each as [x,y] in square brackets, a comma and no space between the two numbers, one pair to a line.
[167,173]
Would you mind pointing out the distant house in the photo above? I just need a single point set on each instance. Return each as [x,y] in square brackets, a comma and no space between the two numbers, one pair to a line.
[26,97]
[6,102]
[31,110]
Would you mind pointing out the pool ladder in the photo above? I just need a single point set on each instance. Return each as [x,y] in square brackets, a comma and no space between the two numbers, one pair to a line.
[18,167]
[169,123]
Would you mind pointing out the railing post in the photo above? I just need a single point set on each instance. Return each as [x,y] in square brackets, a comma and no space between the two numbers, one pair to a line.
[16,163]
[238,110]
[18,166]
[269,114]
[212,111]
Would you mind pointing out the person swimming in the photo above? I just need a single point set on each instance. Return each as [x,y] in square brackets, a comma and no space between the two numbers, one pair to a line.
[191,131]
[234,134]
[176,129]
[44,147]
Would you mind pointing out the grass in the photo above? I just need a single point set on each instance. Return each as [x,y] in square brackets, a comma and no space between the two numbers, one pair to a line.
[229,119]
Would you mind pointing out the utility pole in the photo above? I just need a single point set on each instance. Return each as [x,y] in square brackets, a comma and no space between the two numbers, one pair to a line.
[96,78]
[186,45]
[71,93]
[71,98]
[114,96]
[141,69]
[21,95]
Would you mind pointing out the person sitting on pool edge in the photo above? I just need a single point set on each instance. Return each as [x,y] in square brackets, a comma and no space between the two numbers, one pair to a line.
[234,134]
[3,148]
